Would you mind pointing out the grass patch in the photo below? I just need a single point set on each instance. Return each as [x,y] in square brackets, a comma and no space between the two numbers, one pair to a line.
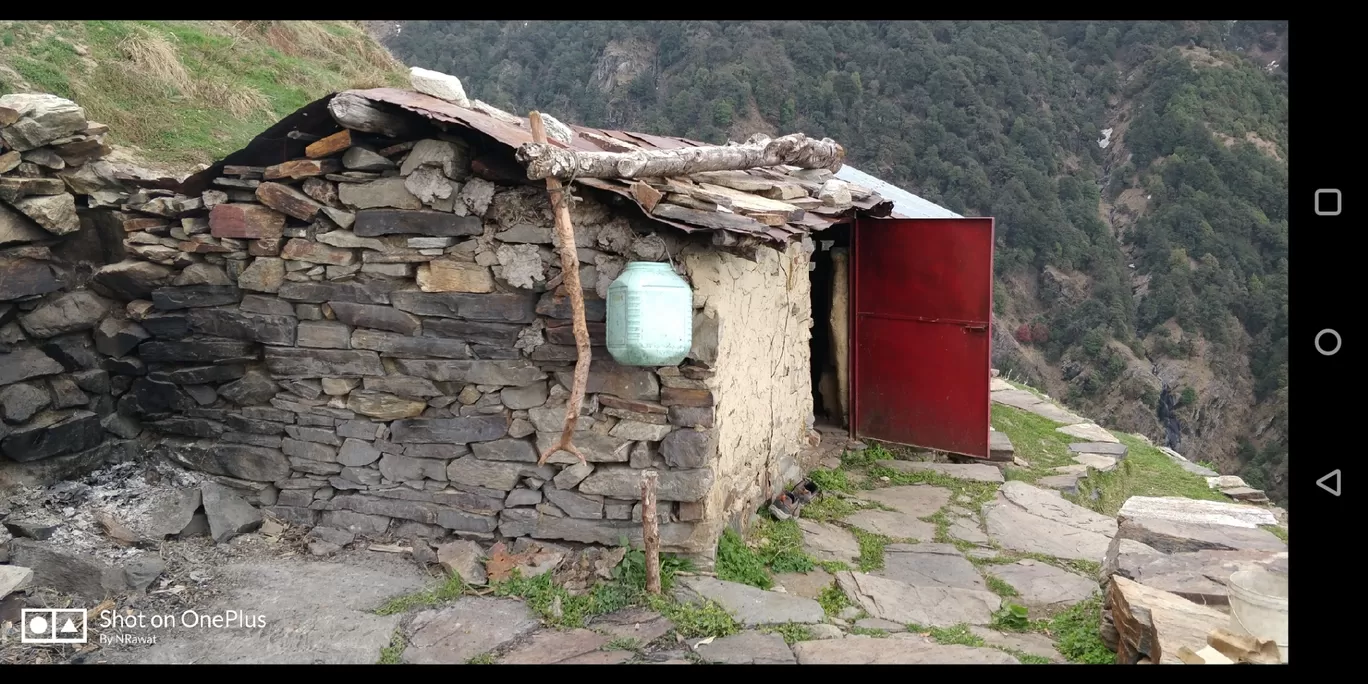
[791,631]
[1145,471]
[828,508]
[943,522]
[1082,567]
[622,644]
[1077,636]
[1075,631]
[959,635]
[775,546]
[780,546]
[1275,530]
[871,549]
[831,480]
[187,92]
[452,588]
[737,562]
[558,607]
[390,654]
[869,631]
[1035,439]
[999,587]
[833,600]
[482,659]
[1026,658]
[695,621]
[971,495]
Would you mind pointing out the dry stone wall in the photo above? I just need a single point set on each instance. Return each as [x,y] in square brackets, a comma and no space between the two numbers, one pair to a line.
[62,346]
[374,340]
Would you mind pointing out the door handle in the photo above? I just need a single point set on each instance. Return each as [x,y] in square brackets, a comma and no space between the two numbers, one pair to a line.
[975,328]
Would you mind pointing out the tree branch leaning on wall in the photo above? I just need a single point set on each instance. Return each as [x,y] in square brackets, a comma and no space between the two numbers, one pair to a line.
[570,280]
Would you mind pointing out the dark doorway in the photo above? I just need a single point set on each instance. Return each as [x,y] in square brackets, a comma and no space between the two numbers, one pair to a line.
[828,405]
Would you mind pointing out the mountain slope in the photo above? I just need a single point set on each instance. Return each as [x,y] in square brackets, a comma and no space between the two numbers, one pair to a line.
[1138,172]
[180,93]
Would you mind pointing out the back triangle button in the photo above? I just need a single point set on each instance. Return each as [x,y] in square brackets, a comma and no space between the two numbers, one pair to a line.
[1330,483]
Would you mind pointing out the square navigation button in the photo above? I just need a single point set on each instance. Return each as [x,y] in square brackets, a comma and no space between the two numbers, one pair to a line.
[1328,202]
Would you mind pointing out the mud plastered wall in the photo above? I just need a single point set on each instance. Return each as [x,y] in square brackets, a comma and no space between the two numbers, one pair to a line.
[373,340]
[754,327]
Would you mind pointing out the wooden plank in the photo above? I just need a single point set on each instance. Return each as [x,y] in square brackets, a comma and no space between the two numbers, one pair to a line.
[735,180]
[694,203]
[678,187]
[337,142]
[786,191]
[769,218]
[742,201]
[302,168]
[716,221]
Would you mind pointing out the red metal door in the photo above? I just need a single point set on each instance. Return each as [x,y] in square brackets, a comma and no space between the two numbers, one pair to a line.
[922,297]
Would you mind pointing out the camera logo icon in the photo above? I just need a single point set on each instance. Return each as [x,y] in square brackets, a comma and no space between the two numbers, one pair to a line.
[54,626]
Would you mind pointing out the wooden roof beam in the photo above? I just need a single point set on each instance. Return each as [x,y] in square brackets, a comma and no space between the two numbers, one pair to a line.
[546,161]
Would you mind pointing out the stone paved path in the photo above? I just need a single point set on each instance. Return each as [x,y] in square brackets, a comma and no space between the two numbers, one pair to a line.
[954,554]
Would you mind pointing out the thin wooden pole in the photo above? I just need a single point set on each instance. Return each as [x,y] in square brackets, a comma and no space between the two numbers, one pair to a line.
[570,280]
[650,531]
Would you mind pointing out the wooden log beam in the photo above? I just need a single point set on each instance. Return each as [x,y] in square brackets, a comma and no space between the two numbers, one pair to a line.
[570,274]
[650,531]
[359,114]
[546,161]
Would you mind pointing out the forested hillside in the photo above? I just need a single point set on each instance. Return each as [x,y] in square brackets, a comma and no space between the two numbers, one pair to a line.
[1137,171]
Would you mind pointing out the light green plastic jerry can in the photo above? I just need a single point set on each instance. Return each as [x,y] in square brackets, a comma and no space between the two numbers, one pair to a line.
[650,316]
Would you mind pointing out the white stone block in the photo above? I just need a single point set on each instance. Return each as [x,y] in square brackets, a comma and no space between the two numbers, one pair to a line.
[439,85]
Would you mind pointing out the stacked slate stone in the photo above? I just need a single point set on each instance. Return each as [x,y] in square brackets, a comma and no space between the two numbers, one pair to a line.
[57,340]
[375,337]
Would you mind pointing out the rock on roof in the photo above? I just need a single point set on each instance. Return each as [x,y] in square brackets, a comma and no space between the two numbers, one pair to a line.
[765,205]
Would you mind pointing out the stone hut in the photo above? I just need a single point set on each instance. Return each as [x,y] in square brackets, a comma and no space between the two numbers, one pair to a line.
[358,322]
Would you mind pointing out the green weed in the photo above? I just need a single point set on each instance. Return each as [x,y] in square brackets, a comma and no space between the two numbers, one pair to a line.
[871,549]
[622,644]
[831,480]
[1013,618]
[791,631]
[828,508]
[737,562]
[451,589]
[1077,636]
[780,546]
[999,587]
[957,635]
[390,654]
[693,620]
[833,600]
[868,631]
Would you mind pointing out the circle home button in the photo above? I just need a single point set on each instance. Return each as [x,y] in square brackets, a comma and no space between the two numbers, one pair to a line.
[1328,342]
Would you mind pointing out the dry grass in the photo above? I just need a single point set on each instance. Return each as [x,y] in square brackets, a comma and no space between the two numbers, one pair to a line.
[181,93]
[153,56]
